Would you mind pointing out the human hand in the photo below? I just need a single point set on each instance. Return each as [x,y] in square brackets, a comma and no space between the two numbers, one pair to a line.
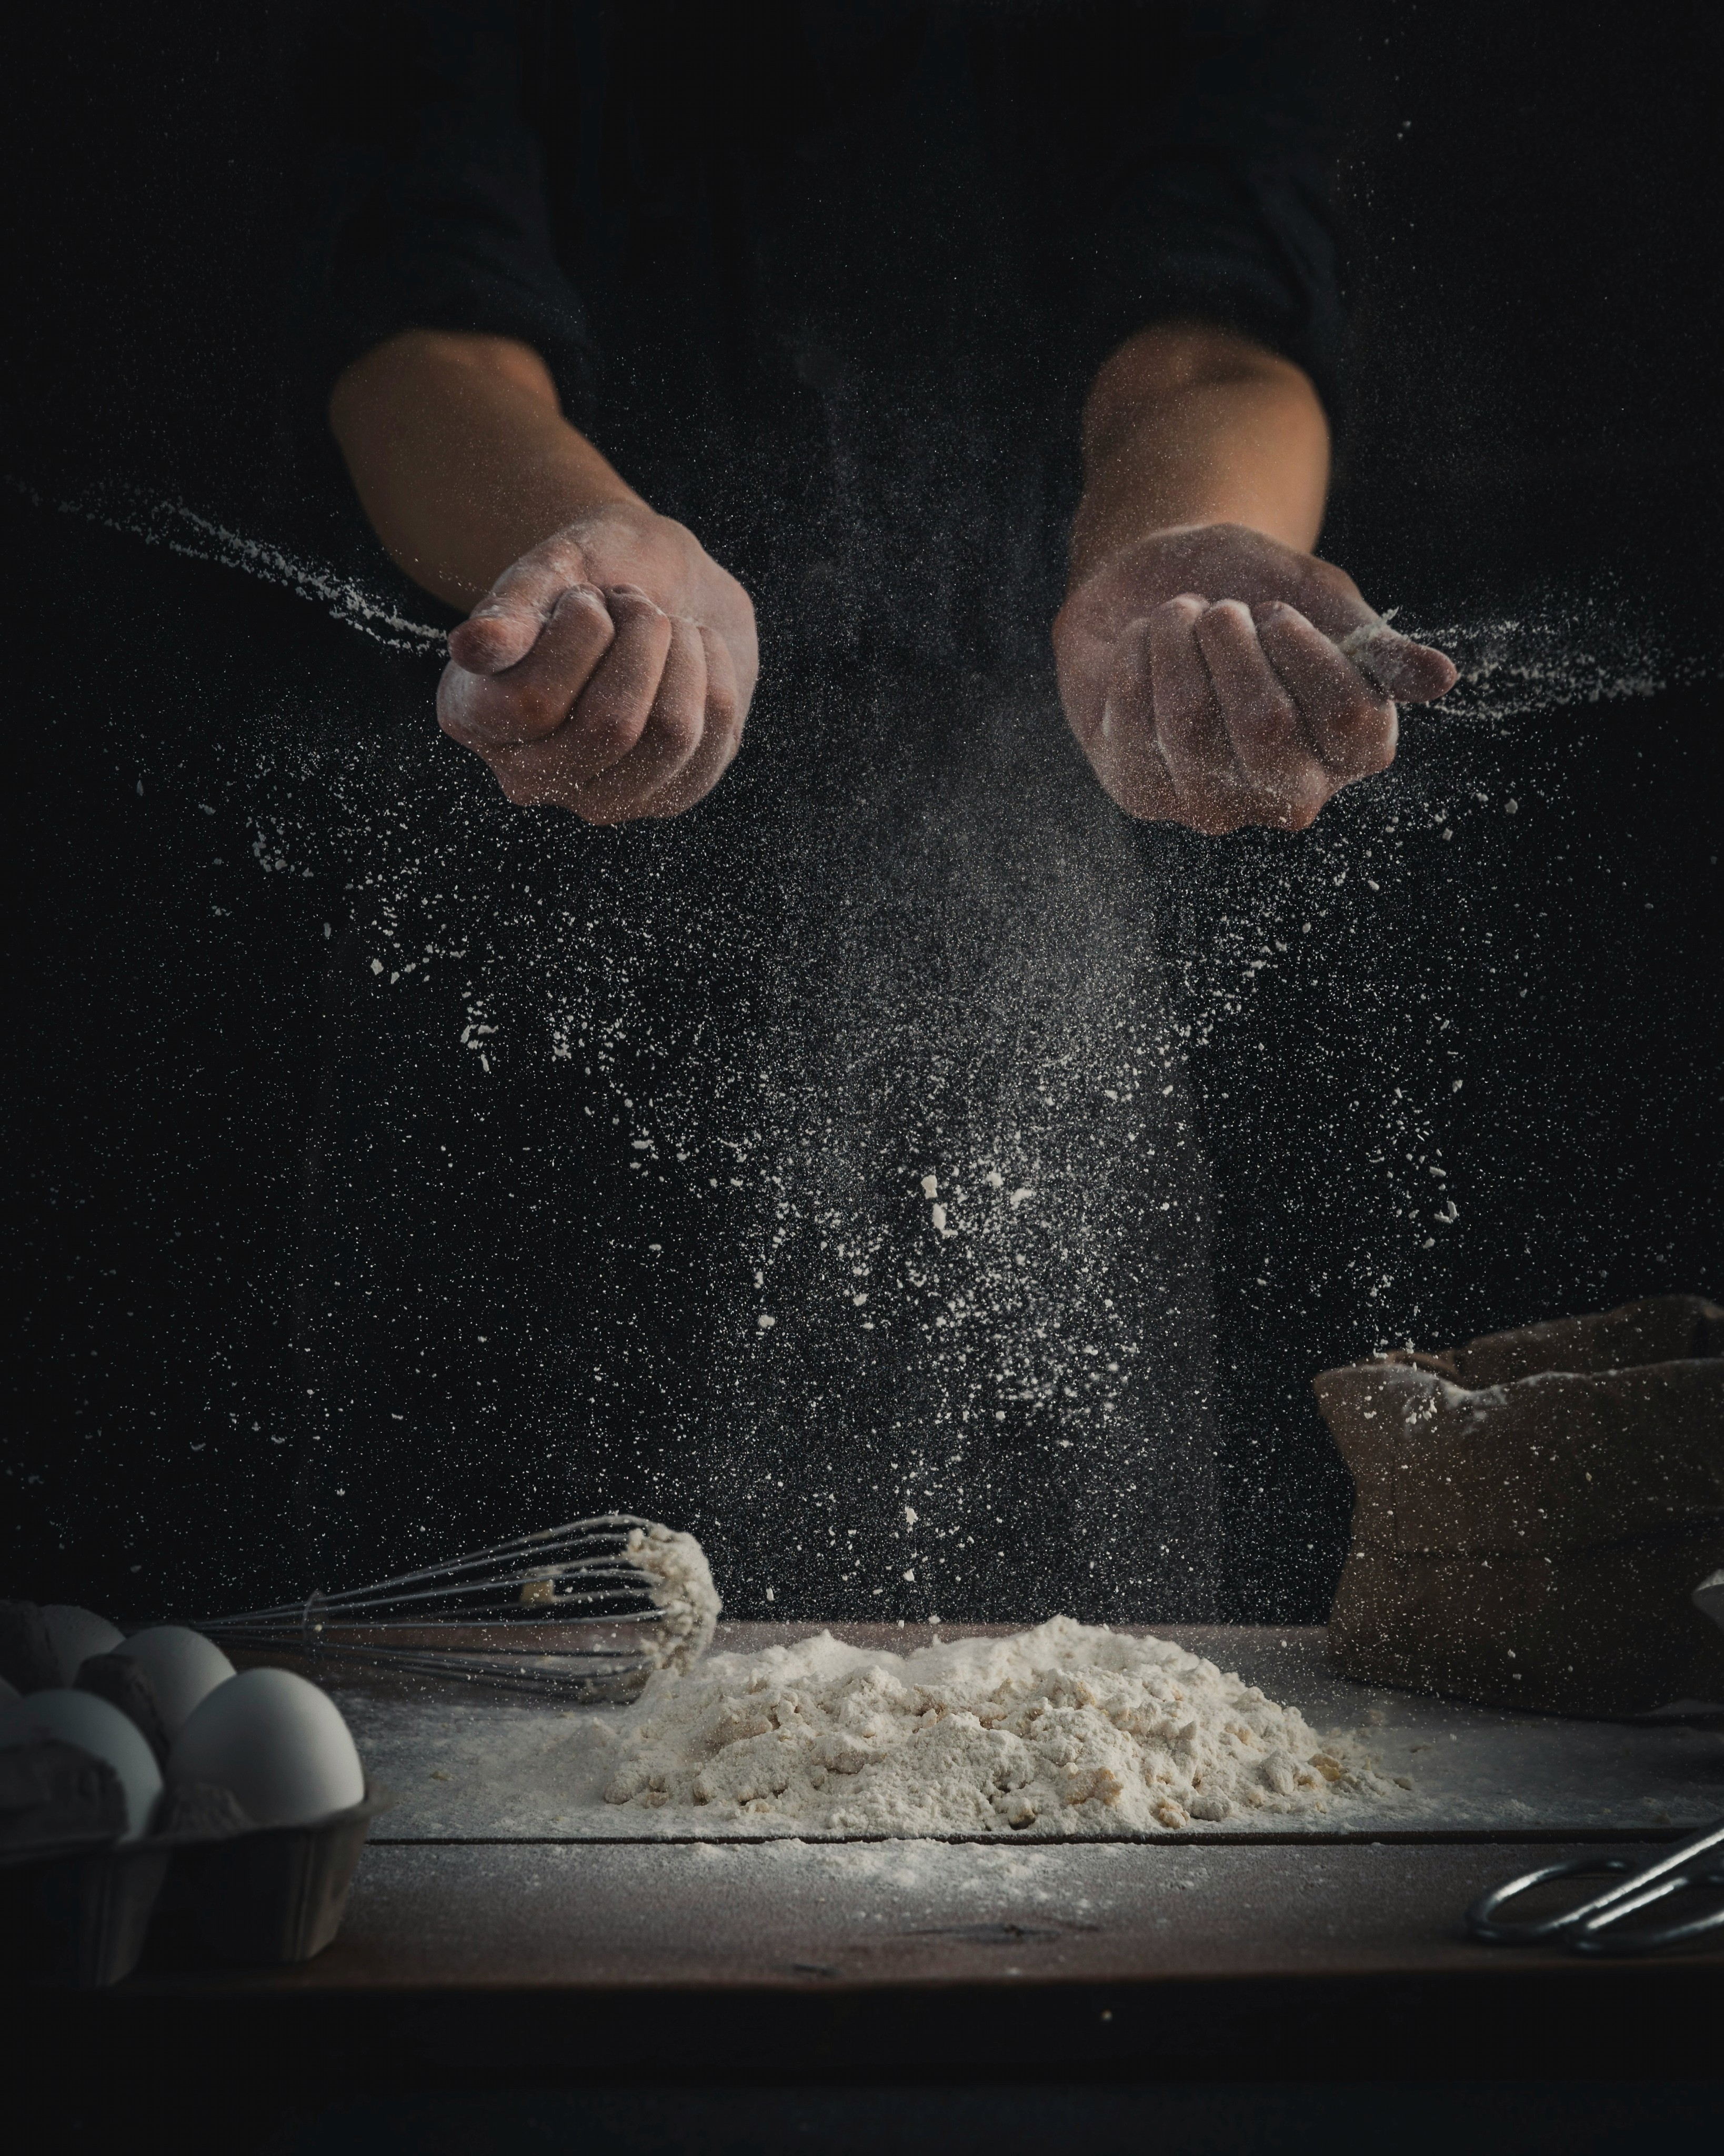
[608,671]
[1217,678]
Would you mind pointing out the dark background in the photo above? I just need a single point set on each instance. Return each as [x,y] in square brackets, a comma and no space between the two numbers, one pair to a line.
[1533,437]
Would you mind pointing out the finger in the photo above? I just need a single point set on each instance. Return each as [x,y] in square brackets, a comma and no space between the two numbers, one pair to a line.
[669,741]
[721,733]
[1193,740]
[1124,746]
[1283,777]
[726,705]
[1413,673]
[533,697]
[609,717]
[502,628]
[613,709]
[1351,724]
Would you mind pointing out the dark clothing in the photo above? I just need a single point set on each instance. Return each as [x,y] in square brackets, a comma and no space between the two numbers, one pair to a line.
[756,243]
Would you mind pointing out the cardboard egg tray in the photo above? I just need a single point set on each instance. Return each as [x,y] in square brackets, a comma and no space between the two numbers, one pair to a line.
[78,1913]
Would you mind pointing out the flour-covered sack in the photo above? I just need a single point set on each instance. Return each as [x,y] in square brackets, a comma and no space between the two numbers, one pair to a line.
[1533,1510]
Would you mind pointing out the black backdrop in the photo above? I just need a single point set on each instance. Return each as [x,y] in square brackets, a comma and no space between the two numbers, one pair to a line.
[1533,439]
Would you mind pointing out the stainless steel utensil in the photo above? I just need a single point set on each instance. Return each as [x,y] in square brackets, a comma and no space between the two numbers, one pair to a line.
[1595,1925]
[586,1611]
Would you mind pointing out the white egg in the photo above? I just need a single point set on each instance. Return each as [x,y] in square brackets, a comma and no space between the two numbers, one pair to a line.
[183,1669]
[79,1717]
[76,1634]
[278,1742]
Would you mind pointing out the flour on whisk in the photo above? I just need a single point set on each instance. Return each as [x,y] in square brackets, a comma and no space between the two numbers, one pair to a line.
[1067,1729]
[680,1584]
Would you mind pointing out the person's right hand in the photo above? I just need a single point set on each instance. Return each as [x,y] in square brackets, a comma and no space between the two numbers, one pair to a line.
[607,671]
[1217,677]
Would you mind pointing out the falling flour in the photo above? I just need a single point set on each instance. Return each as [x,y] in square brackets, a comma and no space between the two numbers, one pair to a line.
[1067,1729]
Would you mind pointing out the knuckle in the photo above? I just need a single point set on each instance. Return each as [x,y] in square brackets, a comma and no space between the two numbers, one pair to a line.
[582,612]
[630,600]
[1327,577]
[561,553]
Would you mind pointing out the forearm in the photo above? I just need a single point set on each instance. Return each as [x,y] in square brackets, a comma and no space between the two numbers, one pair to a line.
[1188,424]
[461,456]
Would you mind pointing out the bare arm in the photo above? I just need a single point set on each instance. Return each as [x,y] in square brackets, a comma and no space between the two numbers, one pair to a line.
[461,457]
[1186,424]
[608,662]
[1199,645]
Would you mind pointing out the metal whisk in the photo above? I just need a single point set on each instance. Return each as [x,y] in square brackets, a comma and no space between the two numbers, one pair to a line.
[585,1611]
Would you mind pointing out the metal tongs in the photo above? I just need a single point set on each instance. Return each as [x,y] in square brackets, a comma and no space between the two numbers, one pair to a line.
[1592,1927]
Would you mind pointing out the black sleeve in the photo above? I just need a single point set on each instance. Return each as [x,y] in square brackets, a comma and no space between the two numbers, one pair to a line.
[1227,212]
[428,208]
[1191,149]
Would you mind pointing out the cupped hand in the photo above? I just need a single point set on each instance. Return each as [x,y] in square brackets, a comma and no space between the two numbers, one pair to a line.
[607,671]
[1215,677]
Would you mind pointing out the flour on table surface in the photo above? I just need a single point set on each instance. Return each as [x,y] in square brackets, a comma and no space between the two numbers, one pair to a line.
[1068,1728]
[904,1865]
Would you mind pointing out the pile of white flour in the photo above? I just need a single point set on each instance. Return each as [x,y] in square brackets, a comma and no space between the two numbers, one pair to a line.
[1067,1729]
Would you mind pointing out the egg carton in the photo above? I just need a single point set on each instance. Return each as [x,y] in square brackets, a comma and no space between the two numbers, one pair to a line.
[76,1910]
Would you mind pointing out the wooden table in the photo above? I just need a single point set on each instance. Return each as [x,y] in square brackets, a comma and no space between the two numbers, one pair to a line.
[492,1942]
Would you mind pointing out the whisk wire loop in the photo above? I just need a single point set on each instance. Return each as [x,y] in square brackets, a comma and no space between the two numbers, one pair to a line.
[588,1609]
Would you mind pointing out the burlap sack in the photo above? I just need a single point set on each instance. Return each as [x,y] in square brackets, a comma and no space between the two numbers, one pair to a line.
[1532,1512]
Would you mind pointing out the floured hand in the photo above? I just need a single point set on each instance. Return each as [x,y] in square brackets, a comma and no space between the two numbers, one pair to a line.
[608,671]
[1219,678]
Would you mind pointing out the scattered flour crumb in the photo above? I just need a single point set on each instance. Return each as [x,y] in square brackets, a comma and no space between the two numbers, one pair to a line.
[1067,1729]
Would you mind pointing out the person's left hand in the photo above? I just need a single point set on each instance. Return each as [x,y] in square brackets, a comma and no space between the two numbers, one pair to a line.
[1216,678]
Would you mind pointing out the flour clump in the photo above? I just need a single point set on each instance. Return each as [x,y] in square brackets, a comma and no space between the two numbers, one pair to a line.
[679,1582]
[1068,1728]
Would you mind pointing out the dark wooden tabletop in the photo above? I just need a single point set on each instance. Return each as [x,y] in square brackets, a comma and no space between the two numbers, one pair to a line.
[469,1960]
